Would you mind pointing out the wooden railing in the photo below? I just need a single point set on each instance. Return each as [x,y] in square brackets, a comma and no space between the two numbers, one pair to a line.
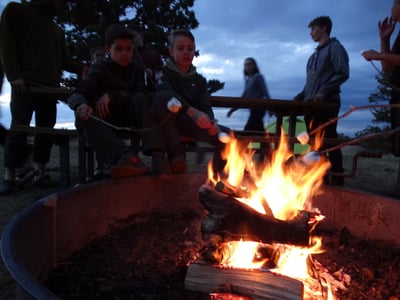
[280,108]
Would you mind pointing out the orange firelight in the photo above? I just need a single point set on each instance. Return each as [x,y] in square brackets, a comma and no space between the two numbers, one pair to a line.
[287,185]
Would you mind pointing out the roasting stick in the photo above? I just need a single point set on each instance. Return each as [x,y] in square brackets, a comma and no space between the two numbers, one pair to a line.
[352,109]
[314,156]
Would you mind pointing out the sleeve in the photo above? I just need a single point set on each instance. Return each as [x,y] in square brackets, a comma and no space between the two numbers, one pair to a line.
[87,89]
[8,40]
[204,98]
[262,87]
[340,64]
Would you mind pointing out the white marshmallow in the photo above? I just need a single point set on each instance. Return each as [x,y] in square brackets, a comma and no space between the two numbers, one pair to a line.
[224,137]
[174,105]
[303,137]
[311,158]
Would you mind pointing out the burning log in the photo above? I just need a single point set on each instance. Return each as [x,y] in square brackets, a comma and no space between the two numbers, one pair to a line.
[256,284]
[227,216]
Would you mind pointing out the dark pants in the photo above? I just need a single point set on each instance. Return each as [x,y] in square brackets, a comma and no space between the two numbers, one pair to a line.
[315,120]
[108,142]
[22,106]
[255,121]
[176,125]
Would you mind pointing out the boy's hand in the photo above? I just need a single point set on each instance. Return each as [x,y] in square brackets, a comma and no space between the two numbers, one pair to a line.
[202,120]
[83,111]
[102,106]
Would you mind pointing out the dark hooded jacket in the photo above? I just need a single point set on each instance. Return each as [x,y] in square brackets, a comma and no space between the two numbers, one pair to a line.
[190,88]
[32,46]
[327,69]
[107,77]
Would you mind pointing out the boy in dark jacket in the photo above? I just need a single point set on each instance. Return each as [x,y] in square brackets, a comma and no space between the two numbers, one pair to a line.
[192,116]
[114,92]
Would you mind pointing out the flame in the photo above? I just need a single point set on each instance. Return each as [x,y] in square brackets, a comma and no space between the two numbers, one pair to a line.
[285,185]
[237,254]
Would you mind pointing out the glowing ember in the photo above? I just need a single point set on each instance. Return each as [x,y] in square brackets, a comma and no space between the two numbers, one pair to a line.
[286,184]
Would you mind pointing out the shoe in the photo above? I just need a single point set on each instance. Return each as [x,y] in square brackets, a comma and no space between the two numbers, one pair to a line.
[178,164]
[127,166]
[25,175]
[44,180]
[7,187]
[160,165]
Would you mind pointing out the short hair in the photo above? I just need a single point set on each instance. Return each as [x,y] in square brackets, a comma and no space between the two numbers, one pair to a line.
[322,21]
[117,31]
[179,32]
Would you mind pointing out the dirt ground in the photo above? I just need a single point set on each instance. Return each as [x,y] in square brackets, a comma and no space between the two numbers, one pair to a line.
[375,175]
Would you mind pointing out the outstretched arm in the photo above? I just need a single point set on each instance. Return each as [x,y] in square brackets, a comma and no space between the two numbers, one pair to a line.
[387,59]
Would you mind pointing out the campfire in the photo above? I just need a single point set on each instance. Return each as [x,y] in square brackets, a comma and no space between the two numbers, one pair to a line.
[259,229]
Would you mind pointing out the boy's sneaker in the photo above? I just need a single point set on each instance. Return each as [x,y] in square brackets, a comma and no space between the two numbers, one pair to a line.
[160,165]
[127,166]
[7,187]
[178,164]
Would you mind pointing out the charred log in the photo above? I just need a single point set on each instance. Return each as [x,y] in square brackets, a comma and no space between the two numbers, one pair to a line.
[229,217]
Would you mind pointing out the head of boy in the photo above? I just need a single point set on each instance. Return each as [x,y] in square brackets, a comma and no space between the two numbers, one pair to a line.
[182,48]
[119,44]
[321,28]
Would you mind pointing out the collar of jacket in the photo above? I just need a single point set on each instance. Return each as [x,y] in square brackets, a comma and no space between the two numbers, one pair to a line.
[170,64]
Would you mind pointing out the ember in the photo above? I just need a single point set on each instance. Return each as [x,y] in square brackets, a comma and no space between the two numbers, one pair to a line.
[148,260]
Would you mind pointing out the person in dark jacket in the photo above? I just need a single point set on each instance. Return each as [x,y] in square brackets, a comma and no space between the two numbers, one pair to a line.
[327,70]
[182,98]
[33,52]
[113,95]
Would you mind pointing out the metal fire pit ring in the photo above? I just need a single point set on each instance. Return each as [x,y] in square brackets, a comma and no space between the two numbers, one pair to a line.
[52,228]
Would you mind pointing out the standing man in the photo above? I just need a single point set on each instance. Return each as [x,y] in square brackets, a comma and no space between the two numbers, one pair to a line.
[33,52]
[327,69]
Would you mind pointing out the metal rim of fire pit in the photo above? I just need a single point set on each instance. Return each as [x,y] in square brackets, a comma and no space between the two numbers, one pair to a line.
[51,229]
